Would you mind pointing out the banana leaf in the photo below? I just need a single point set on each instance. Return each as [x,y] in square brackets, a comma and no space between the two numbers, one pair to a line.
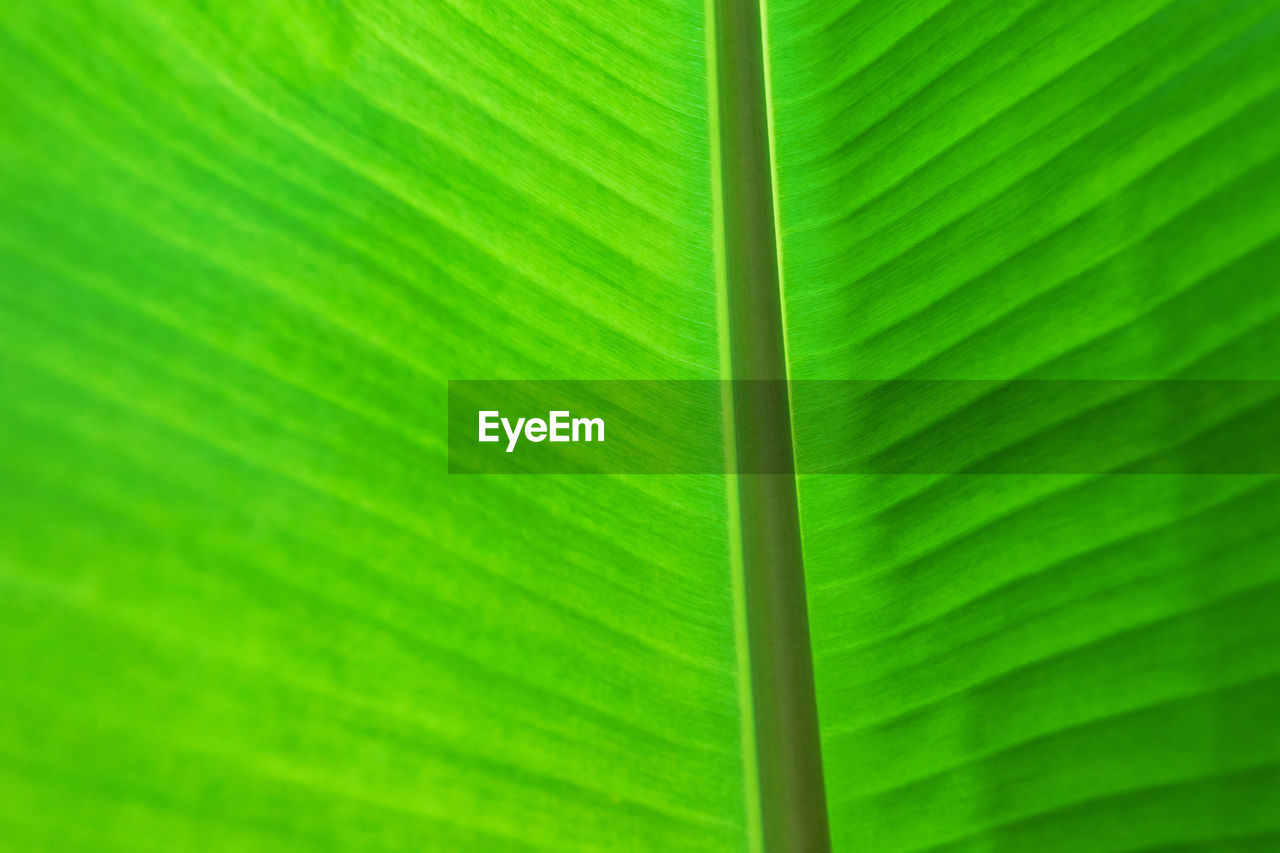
[244,246]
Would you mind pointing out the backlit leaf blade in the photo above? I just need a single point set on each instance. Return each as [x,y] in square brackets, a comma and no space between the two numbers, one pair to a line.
[242,245]
[1035,191]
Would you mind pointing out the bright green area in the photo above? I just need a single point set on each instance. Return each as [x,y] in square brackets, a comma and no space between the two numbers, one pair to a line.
[242,607]
[1040,190]
[244,244]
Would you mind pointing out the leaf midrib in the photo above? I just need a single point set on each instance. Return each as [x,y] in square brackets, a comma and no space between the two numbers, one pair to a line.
[773,621]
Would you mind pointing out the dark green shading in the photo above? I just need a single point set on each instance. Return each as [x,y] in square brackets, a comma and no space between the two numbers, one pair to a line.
[793,802]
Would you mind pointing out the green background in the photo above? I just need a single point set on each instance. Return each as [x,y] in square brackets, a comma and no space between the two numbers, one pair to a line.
[1073,190]
[244,245]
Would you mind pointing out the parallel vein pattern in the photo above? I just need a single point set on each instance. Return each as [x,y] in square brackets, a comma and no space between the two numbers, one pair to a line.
[1049,190]
[241,247]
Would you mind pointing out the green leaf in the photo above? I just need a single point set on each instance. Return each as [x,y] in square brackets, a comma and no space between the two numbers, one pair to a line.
[244,245]
[1034,191]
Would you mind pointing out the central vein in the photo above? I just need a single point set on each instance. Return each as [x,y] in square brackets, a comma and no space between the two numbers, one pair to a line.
[793,813]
